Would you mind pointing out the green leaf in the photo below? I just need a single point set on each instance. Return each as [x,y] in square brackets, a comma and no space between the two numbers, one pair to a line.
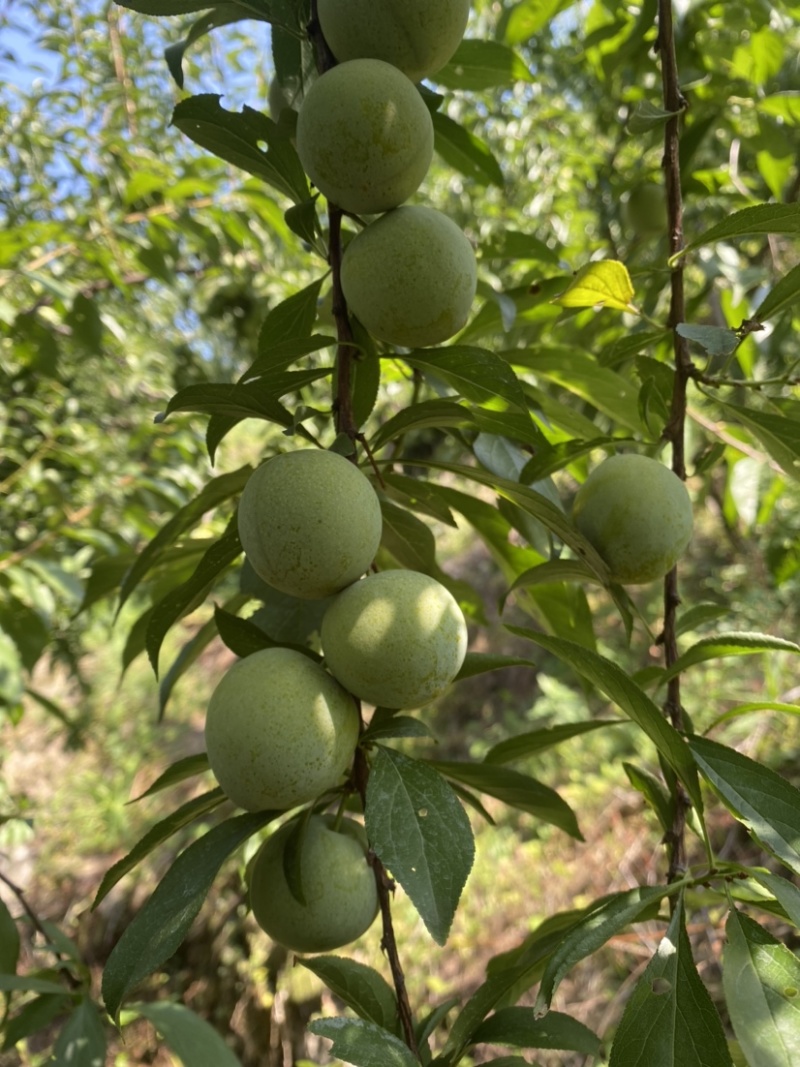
[33,1017]
[422,416]
[592,932]
[479,65]
[637,705]
[222,15]
[750,707]
[254,399]
[529,744]
[13,983]
[605,283]
[363,1043]
[785,892]
[156,835]
[9,941]
[82,1040]
[521,1028]
[517,245]
[194,1041]
[784,294]
[237,138]
[761,979]
[475,373]
[647,116]
[360,987]
[420,832]
[766,803]
[653,791]
[526,19]
[167,7]
[483,662]
[515,789]
[275,355]
[784,106]
[732,644]
[192,592]
[408,539]
[764,218]
[779,435]
[241,636]
[177,772]
[385,723]
[715,340]
[293,318]
[212,494]
[160,926]
[670,1019]
[465,152]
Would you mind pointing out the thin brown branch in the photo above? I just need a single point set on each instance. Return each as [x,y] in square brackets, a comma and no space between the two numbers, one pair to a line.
[674,431]
[39,926]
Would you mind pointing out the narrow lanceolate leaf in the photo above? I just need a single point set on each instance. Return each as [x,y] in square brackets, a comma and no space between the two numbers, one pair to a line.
[715,340]
[765,218]
[179,771]
[215,492]
[363,1043]
[766,803]
[420,832]
[290,320]
[761,979]
[161,924]
[156,835]
[605,283]
[193,592]
[237,138]
[194,1041]
[465,152]
[360,987]
[521,1028]
[750,707]
[594,931]
[670,1019]
[515,789]
[734,644]
[637,705]
[422,416]
[653,791]
[779,435]
[83,1039]
[475,373]
[785,892]
[222,15]
[648,116]
[479,65]
[529,744]
[9,941]
[784,294]
[241,636]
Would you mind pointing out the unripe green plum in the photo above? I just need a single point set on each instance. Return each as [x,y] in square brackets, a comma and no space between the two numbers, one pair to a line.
[638,516]
[396,639]
[365,136]
[279,730]
[310,522]
[337,884]
[410,277]
[418,36]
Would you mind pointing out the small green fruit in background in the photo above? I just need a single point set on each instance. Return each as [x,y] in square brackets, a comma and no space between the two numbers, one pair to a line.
[279,730]
[417,36]
[410,277]
[310,522]
[336,881]
[396,639]
[638,516]
[645,210]
[365,136]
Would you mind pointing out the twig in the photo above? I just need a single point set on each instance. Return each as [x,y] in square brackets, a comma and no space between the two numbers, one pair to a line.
[674,431]
[38,925]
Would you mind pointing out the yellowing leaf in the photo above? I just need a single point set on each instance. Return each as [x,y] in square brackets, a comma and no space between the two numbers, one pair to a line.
[605,283]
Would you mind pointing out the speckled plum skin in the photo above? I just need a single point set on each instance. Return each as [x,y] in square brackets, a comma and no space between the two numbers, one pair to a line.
[417,36]
[365,136]
[410,277]
[338,885]
[638,516]
[279,730]
[310,522]
[396,639]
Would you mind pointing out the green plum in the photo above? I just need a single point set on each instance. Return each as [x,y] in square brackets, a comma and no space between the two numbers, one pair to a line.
[410,277]
[395,639]
[310,522]
[279,730]
[365,136]
[638,516]
[417,36]
[335,880]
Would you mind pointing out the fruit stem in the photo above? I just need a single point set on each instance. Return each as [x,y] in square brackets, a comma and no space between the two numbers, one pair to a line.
[674,431]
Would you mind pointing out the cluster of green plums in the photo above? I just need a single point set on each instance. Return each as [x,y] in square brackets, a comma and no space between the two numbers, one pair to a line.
[365,139]
[282,727]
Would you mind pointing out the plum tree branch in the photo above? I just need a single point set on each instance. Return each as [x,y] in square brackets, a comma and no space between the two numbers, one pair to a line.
[674,431]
